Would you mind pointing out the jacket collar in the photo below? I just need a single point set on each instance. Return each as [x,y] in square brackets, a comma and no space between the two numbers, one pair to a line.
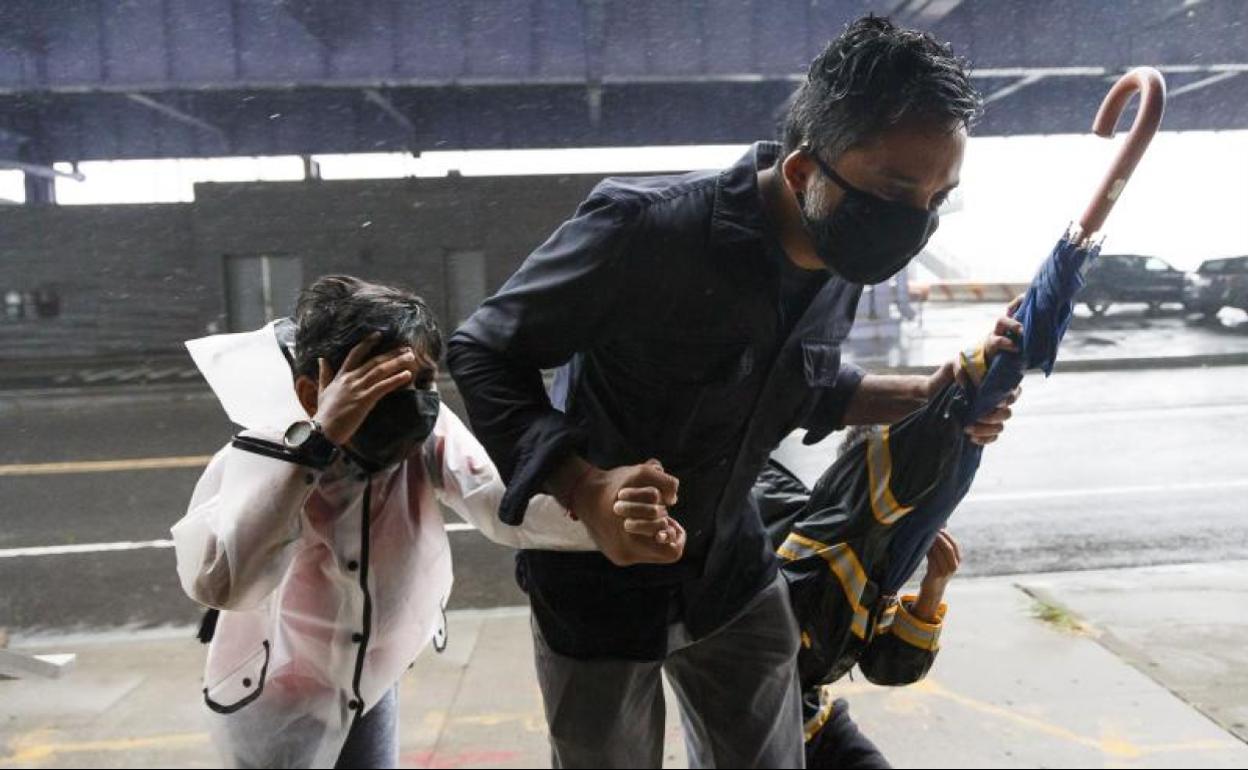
[738,214]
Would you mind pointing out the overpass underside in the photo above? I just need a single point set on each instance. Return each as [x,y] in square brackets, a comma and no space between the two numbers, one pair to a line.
[105,79]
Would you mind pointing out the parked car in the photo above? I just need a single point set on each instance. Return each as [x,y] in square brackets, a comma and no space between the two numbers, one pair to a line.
[1216,284]
[1117,278]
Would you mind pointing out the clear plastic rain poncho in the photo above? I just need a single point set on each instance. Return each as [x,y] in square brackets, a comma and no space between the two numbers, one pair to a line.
[331,580]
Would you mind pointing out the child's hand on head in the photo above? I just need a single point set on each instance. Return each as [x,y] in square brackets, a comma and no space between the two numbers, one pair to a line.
[345,397]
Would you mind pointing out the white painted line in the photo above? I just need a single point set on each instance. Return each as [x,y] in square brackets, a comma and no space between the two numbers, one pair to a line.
[18,665]
[64,550]
[991,497]
[1054,494]
[1100,413]
[105,466]
[69,550]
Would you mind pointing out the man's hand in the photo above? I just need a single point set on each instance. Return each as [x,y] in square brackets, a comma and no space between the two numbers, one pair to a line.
[346,397]
[624,509]
[990,427]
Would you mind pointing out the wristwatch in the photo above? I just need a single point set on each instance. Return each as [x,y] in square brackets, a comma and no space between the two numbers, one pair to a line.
[307,438]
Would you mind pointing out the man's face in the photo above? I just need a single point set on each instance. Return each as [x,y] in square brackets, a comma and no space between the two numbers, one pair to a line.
[918,165]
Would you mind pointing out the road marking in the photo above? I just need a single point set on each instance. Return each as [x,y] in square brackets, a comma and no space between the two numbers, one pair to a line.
[1102,413]
[65,550]
[1109,743]
[198,461]
[991,497]
[104,466]
[69,550]
[37,748]
[1054,494]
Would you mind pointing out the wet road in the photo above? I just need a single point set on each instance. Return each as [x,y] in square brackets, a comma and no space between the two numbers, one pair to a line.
[1110,469]
[1098,470]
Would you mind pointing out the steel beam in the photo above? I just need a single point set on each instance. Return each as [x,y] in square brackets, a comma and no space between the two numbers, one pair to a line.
[1013,88]
[927,13]
[1203,83]
[41,171]
[176,114]
[383,103]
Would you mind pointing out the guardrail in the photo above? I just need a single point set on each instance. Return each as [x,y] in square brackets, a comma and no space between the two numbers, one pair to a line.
[968,291]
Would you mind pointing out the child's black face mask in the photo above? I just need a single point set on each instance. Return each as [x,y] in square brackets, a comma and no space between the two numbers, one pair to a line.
[399,422]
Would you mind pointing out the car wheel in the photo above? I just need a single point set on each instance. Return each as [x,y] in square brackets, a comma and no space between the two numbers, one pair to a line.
[1097,306]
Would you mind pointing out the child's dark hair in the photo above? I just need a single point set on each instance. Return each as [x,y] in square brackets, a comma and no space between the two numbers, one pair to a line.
[877,75]
[337,311]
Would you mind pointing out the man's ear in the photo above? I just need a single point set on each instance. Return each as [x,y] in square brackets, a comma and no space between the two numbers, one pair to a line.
[307,390]
[796,170]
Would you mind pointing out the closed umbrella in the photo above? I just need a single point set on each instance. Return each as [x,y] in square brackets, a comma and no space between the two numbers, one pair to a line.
[871,517]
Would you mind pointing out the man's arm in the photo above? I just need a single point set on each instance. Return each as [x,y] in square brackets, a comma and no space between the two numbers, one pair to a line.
[560,300]
[883,399]
[570,292]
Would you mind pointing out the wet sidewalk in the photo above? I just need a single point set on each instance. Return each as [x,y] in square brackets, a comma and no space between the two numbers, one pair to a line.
[1123,668]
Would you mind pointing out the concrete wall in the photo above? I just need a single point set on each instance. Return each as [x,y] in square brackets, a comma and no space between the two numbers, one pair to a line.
[135,280]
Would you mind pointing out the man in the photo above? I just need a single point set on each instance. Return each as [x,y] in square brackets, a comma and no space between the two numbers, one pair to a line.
[696,320]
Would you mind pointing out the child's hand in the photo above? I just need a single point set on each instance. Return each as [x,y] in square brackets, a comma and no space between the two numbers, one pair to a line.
[345,398]
[943,560]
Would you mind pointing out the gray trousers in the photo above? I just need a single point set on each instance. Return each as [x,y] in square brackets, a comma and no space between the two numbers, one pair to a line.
[737,690]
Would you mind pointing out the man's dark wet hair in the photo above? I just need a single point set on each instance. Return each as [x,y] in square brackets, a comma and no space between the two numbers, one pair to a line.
[873,77]
[337,311]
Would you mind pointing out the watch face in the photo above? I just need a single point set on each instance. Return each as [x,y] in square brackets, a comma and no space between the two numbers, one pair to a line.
[298,433]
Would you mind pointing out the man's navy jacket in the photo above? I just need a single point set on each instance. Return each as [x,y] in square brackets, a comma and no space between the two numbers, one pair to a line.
[659,305]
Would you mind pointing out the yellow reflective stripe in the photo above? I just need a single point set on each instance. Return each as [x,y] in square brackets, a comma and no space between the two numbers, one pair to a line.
[844,564]
[859,624]
[801,543]
[907,601]
[797,547]
[975,363]
[915,632]
[886,619]
[879,474]
[849,571]
[816,723]
[788,555]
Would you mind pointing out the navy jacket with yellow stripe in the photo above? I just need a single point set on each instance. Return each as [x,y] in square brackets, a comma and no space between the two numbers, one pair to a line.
[848,545]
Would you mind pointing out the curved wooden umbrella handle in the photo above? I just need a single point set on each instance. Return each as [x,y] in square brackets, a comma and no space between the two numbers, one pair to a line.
[1152,89]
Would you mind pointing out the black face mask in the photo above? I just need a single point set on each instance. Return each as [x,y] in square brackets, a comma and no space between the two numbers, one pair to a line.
[399,422]
[867,239]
